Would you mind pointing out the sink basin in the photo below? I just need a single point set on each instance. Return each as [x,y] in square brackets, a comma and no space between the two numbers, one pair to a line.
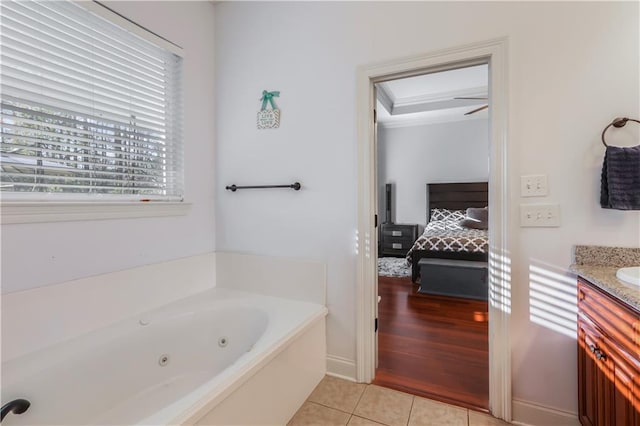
[630,275]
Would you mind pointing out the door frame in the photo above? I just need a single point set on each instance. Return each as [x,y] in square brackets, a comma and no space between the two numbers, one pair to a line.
[493,52]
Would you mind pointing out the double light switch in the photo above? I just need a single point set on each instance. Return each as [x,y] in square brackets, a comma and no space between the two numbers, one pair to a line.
[537,215]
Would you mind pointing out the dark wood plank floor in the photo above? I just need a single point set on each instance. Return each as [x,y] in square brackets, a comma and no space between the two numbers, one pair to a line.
[432,346]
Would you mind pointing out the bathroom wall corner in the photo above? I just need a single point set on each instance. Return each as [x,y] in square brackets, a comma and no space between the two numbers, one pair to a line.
[290,278]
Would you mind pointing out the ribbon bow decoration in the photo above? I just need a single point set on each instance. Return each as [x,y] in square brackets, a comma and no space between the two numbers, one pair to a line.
[268,97]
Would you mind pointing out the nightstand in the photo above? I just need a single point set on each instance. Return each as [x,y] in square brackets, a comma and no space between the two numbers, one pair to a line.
[396,239]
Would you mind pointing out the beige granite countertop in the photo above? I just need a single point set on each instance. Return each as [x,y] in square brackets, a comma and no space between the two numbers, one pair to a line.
[604,277]
[599,265]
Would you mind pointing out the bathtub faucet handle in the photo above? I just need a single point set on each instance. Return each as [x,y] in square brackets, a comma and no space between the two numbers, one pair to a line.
[17,406]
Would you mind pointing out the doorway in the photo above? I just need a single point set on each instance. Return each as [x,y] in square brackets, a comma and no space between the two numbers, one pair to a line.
[493,53]
[432,164]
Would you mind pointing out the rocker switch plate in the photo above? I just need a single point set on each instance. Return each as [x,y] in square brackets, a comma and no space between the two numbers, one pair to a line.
[533,186]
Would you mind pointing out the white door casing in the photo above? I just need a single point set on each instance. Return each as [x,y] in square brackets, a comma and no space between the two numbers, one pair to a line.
[493,52]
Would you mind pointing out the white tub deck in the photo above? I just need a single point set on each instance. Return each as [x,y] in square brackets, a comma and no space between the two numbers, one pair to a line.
[113,375]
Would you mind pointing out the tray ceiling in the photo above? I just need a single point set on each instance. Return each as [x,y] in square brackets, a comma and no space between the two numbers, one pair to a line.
[429,98]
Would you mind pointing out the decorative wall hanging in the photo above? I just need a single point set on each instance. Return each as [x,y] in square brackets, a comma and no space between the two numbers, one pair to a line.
[268,118]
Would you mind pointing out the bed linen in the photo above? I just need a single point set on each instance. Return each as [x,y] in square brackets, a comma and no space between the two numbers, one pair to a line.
[448,235]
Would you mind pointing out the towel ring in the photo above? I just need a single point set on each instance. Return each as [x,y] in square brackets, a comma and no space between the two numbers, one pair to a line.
[617,122]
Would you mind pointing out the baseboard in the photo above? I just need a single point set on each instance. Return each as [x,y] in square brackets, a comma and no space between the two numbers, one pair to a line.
[342,368]
[529,413]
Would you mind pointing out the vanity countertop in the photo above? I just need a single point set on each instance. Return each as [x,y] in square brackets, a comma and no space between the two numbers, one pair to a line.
[598,265]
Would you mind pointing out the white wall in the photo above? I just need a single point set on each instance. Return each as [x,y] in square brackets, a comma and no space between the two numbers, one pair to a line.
[568,78]
[291,278]
[410,157]
[41,317]
[35,255]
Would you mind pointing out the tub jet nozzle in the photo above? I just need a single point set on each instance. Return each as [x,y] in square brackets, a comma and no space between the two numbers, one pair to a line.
[163,360]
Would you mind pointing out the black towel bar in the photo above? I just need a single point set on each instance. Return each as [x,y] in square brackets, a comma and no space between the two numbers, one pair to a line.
[617,123]
[233,188]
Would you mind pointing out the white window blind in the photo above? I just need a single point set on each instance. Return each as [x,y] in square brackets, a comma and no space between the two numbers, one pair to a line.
[89,109]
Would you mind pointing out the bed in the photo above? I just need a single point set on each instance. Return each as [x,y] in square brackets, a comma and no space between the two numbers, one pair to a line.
[443,237]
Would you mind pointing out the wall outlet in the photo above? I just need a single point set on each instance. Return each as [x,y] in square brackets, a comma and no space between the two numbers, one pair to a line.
[533,186]
[539,215]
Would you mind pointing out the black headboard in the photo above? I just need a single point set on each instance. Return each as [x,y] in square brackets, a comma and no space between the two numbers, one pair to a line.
[456,196]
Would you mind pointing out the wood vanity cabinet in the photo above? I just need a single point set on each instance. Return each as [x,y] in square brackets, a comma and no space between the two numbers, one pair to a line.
[608,359]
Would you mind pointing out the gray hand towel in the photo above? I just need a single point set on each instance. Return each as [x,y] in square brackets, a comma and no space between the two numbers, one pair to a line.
[621,178]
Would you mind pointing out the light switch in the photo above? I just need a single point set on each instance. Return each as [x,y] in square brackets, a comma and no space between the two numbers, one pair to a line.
[533,186]
[539,215]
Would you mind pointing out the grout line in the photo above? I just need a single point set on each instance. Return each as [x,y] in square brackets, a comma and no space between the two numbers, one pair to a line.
[362,416]
[378,422]
[328,406]
[360,398]
[338,409]
[413,400]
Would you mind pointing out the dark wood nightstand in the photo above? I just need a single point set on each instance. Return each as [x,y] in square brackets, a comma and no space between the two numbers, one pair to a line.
[396,239]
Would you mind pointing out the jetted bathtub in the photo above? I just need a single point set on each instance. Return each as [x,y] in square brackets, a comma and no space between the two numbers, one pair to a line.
[176,365]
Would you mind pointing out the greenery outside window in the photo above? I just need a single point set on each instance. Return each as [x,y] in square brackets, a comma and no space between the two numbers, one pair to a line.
[91,111]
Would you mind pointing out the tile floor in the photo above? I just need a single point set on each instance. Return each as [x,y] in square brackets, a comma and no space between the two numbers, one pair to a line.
[340,402]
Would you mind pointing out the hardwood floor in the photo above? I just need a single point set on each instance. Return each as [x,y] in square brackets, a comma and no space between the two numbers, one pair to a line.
[433,346]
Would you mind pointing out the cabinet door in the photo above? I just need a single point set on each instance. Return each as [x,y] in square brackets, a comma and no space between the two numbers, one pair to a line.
[608,360]
[594,387]
[608,381]
[625,386]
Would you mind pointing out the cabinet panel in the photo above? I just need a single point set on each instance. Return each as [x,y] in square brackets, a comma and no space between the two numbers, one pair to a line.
[608,365]
[594,393]
[619,322]
[625,387]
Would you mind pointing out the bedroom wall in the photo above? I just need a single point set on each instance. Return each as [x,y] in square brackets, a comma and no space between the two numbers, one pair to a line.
[567,79]
[410,157]
[39,254]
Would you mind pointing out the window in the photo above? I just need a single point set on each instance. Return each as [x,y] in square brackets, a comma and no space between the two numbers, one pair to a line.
[90,110]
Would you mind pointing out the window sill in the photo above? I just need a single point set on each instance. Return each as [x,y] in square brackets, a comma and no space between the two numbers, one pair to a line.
[38,212]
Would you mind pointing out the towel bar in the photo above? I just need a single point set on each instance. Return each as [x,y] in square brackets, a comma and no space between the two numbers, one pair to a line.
[617,123]
[233,188]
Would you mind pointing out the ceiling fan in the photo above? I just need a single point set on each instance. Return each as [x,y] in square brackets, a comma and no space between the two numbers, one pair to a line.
[477,109]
